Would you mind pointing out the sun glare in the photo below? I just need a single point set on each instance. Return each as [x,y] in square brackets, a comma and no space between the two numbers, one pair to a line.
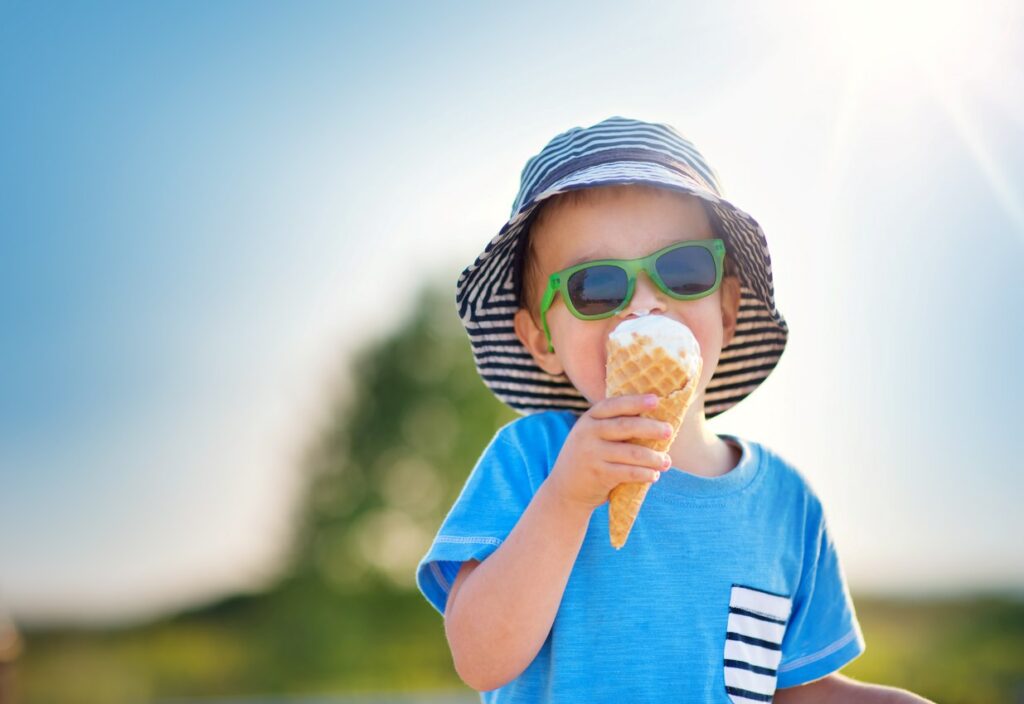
[900,54]
[959,39]
[892,34]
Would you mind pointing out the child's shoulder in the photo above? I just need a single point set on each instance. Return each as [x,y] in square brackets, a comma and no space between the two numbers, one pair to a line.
[544,427]
[784,475]
[529,445]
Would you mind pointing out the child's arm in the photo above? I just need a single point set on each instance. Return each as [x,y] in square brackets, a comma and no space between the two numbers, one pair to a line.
[504,611]
[839,689]
[506,605]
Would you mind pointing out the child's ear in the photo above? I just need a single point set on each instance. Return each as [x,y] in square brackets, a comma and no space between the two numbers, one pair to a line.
[730,307]
[534,339]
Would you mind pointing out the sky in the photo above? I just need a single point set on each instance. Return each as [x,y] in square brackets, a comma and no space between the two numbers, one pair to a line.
[198,201]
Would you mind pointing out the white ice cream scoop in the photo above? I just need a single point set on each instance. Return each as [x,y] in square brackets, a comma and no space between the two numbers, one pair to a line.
[661,331]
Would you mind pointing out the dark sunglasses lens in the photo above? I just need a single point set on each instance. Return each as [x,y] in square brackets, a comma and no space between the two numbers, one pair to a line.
[597,289]
[687,270]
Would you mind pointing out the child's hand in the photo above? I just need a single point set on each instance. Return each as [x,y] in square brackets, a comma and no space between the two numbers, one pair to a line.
[597,455]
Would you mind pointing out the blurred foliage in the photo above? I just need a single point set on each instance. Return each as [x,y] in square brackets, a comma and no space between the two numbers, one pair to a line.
[345,615]
[389,466]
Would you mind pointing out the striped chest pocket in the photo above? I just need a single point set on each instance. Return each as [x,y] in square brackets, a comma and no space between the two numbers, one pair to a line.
[753,643]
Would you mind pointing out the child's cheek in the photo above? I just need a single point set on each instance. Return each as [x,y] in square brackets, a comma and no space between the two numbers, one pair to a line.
[585,357]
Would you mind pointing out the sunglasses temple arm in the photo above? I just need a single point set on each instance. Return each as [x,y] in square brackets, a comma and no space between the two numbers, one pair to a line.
[549,295]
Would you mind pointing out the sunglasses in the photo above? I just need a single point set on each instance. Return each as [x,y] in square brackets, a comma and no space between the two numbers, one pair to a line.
[601,288]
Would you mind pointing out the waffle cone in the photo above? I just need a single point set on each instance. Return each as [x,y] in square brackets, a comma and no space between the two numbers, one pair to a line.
[640,368]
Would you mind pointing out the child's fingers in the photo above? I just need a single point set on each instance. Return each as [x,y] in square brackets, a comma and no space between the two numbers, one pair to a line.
[631,405]
[631,473]
[629,427]
[633,454]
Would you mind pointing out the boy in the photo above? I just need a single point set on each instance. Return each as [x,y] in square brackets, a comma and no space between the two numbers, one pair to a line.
[729,588]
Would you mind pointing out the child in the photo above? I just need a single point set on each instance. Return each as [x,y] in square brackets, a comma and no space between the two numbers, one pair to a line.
[729,587]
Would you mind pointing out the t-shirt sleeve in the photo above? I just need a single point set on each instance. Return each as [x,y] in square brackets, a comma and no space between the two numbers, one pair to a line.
[823,634]
[495,495]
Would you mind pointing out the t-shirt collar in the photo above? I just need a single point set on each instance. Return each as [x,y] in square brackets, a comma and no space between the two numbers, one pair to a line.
[678,482]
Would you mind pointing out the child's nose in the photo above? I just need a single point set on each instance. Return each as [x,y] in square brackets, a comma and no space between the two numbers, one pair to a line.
[647,297]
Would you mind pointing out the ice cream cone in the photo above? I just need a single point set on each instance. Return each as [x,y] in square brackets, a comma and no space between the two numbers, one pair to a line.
[649,355]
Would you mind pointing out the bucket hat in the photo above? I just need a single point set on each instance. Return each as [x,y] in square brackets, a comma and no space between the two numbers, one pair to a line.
[617,150]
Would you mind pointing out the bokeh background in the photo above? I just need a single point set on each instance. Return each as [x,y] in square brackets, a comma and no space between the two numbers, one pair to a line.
[235,398]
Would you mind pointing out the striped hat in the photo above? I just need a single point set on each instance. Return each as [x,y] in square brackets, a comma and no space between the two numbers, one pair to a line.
[616,151]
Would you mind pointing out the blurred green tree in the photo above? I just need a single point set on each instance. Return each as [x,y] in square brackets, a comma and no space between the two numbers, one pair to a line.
[383,473]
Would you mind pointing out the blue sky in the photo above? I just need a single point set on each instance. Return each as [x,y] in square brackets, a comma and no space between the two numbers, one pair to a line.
[191,194]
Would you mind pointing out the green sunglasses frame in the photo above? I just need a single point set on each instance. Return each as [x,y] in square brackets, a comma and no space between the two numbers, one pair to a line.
[558,282]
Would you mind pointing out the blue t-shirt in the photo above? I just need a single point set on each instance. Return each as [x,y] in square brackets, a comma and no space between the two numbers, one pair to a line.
[727,588]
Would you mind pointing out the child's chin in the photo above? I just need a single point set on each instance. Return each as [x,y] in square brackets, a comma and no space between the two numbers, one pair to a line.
[594,396]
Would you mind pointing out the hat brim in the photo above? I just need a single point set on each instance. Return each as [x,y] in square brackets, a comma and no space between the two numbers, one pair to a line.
[486,301]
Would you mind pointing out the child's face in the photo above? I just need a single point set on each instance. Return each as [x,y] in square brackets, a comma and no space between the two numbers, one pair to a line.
[625,223]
